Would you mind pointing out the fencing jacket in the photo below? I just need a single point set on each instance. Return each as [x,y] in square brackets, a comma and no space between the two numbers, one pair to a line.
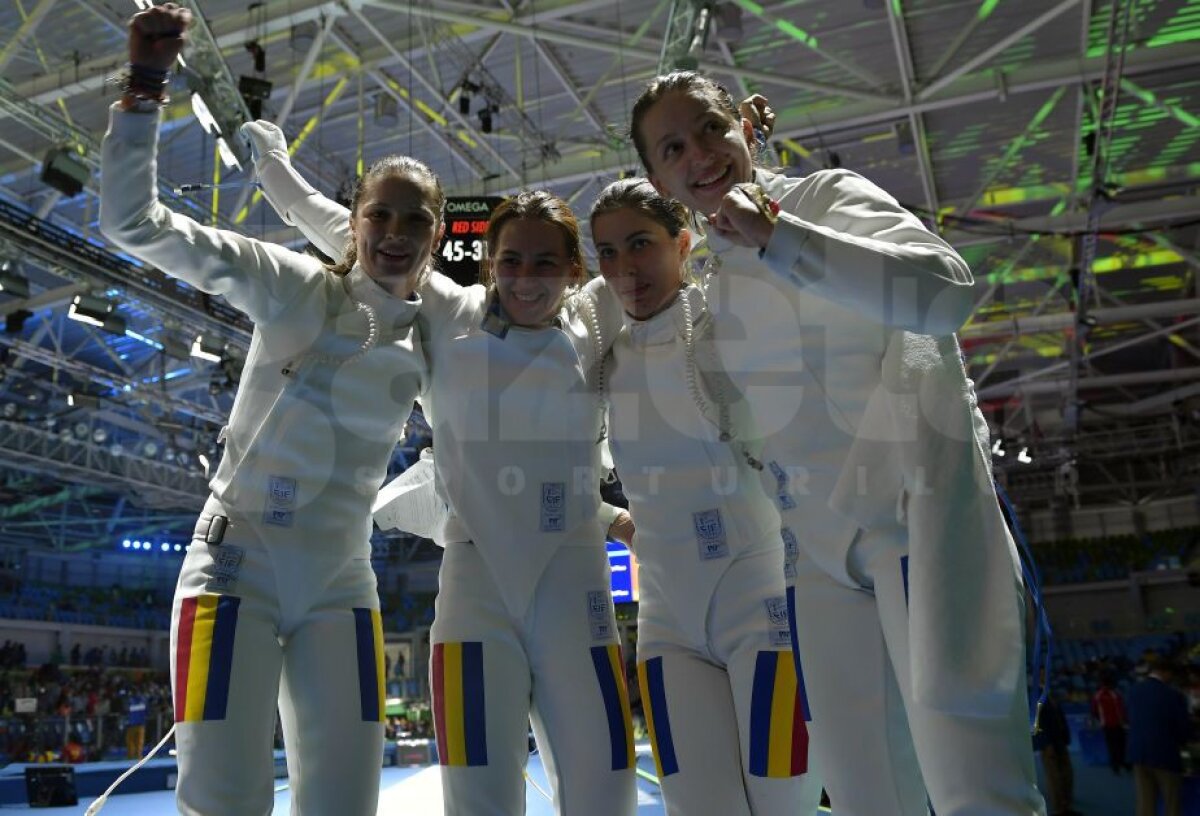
[696,499]
[333,367]
[851,308]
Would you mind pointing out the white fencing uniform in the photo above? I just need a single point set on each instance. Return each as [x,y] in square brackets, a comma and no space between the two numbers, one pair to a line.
[524,626]
[723,704]
[903,578]
[287,591]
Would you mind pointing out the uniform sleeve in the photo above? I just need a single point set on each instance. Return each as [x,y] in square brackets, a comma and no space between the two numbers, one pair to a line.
[607,514]
[322,221]
[256,277]
[844,239]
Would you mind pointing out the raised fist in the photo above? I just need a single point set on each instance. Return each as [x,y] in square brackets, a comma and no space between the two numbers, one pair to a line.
[156,36]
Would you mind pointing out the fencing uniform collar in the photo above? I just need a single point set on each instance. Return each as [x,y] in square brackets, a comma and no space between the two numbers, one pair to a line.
[668,324]
[392,311]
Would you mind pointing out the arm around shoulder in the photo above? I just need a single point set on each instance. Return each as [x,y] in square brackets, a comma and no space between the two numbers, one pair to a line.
[257,278]
[324,222]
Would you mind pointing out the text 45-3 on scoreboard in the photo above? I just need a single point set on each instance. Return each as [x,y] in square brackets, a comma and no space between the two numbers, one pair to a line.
[464,246]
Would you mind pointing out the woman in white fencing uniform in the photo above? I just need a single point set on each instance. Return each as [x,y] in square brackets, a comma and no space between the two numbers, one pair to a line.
[725,709]
[524,625]
[277,583]
[835,312]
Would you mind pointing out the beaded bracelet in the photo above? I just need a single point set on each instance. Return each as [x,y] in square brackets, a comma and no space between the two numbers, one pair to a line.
[144,81]
[144,88]
[759,198]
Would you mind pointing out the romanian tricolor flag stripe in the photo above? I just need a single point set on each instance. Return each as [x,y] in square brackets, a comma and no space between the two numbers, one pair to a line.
[778,711]
[904,576]
[368,634]
[658,723]
[458,704]
[610,672]
[204,656]
[795,637]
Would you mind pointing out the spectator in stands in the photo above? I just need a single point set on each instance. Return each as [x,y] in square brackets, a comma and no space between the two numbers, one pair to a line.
[1192,690]
[1158,729]
[76,655]
[73,751]
[1108,709]
[135,724]
[1052,740]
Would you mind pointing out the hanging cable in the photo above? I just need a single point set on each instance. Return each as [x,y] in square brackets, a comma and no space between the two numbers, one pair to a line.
[102,799]
[411,100]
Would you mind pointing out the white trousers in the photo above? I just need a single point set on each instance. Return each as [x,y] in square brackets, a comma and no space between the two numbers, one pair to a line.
[559,665]
[259,608]
[879,751]
[727,717]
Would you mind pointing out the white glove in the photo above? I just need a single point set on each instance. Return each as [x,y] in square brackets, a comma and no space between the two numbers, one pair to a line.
[264,138]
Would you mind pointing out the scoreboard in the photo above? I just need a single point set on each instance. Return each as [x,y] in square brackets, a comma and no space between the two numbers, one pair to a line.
[624,569]
[464,246]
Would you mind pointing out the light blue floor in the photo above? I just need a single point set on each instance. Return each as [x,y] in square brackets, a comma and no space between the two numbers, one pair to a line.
[411,791]
[418,792]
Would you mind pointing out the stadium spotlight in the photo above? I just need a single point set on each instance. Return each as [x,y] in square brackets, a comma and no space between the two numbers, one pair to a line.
[91,310]
[1023,457]
[165,546]
[998,447]
[77,399]
[126,544]
[208,348]
[96,312]
[63,169]
[11,283]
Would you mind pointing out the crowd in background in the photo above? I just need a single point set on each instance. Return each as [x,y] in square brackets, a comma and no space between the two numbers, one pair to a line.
[77,714]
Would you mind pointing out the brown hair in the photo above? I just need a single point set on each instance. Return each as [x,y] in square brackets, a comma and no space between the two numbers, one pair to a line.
[391,166]
[712,92]
[536,205]
[639,194]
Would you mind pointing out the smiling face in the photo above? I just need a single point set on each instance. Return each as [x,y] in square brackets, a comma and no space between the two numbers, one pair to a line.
[396,225]
[532,268]
[694,150]
[640,260]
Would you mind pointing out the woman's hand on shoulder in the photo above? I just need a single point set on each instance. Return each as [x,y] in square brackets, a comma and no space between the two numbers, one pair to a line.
[760,113]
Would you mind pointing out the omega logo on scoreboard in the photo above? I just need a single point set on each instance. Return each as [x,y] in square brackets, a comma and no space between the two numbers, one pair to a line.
[464,246]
